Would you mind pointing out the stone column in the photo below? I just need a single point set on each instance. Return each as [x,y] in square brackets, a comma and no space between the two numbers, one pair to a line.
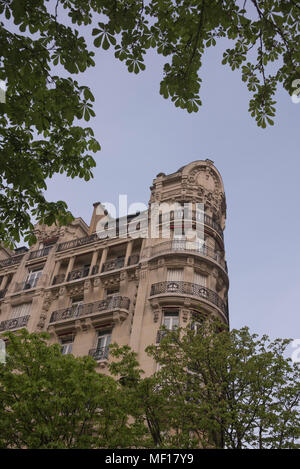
[94,261]
[128,252]
[70,266]
[56,269]
[4,282]
[103,258]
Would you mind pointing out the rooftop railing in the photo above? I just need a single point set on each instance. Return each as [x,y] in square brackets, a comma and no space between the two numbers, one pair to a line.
[11,260]
[40,252]
[78,242]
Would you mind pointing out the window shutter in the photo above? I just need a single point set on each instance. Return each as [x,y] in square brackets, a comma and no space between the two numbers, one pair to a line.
[175,275]
[200,279]
[20,310]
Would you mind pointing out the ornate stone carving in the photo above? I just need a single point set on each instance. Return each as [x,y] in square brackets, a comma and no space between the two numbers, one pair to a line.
[156,316]
[96,281]
[76,290]
[62,291]
[123,275]
[185,315]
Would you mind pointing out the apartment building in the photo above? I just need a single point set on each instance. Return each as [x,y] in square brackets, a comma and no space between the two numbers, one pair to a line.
[89,287]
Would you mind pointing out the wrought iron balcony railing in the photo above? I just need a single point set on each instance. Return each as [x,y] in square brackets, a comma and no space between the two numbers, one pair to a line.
[100,353]
[77,274]
[40,252]
[15,323]
[11,261]
[75,311]
[198,217]
[113,264]
[78,242]
[183,245]
[188,288]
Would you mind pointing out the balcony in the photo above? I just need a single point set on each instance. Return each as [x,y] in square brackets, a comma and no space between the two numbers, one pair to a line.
[188,288]
[79,273]
[91,309]
[74,243]
[60,278]
[11,261]
[15,323]
[100,353]
[27,285]
[196,217]
[114,264]
[40,253]
[189,247]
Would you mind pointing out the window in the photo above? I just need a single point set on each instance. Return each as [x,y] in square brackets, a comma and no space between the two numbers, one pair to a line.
[77,305]
[103,342]
[66,345]
[200,279]
[197,321]
[33,277]
[20,310]
[175,275]
[171,320]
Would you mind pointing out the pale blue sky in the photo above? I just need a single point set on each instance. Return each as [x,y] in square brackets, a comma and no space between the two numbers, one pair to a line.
[142,134]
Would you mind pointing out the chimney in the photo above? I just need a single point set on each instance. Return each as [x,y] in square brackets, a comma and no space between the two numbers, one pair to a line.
[98,213]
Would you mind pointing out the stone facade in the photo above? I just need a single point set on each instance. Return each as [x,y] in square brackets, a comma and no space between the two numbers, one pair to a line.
[87,292]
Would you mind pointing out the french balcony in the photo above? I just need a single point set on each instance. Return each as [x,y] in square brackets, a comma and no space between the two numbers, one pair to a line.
[188,288]
[178,245]
[100,353]
[11,260]
[103,308]
[40,253]
[15,323]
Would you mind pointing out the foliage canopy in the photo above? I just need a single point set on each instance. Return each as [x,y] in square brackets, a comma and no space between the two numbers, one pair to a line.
[40,129]
[214,389]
